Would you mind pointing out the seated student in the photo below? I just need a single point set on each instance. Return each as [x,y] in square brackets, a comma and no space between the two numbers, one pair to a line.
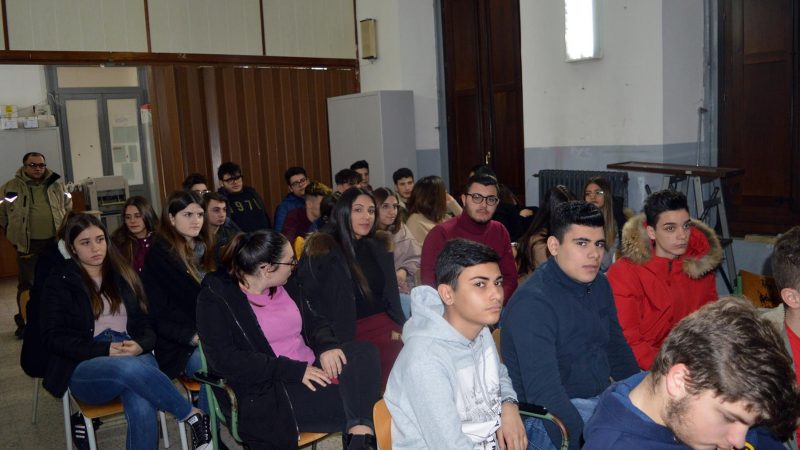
[721,371]
[786,270]
[180,258]
[346,179]
[288,370]
[95,328]
[532,246]
[220,226]
[428,206]
[349,267]
[666,271]
[475,223]
[597,191]
[245,205]
[135,236]
[448,389]
[403,185]
[297,180]
[196,182]
[561,338]
[300,220]
[362,168]
[407,250]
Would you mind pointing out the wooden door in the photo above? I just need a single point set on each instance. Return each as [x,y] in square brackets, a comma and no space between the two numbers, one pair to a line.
[483,88]
[758,114]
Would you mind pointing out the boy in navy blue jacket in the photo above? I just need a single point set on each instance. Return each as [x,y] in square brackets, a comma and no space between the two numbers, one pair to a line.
[721,371]
[561,337]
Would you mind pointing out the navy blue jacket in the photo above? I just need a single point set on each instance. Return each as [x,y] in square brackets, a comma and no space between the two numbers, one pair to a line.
[288,203]
[618,425]
[562,340]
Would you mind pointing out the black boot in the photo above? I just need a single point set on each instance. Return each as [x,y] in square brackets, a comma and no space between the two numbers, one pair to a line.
[359,442]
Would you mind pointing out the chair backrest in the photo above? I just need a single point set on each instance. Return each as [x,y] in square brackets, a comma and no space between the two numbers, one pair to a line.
[496,337]
[383,425]
[759,289]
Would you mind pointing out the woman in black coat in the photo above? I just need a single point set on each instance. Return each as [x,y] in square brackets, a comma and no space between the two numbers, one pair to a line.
[283,361]
[95,326]
[350,269]
[173,269]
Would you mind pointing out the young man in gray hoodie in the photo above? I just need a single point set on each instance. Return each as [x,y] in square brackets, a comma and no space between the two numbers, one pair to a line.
[448,388]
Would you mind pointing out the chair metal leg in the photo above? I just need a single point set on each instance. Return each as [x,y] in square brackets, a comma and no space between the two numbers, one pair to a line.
[182,431]
[67,424]
[35,406]
[90,433]
[164,432]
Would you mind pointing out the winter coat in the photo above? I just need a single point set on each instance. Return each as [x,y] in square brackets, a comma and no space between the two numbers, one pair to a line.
[172,293]
[67,325]
[323,270]
[237,350]
[407,252]
[15,216]
[653,293]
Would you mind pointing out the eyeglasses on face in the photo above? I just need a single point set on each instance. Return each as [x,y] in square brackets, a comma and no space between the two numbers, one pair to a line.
[202,192]
[292,263]
[598,193]
[298,183]
[232,179]
[478,199]
[36,165]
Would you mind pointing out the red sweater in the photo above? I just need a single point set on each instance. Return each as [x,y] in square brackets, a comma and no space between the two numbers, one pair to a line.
[492,234]
[653,293]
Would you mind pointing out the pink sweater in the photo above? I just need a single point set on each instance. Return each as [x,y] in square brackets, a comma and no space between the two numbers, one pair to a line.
[281,323]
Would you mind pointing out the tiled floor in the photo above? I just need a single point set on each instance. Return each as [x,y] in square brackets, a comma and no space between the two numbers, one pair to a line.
[16,393]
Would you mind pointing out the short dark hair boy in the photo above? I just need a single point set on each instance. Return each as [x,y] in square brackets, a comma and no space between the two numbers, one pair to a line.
[449,354]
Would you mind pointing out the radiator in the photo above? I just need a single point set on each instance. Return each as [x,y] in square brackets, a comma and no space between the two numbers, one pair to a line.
[575,179]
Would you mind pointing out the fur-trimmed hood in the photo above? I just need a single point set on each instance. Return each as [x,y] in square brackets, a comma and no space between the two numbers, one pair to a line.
[702,256]
[321,243]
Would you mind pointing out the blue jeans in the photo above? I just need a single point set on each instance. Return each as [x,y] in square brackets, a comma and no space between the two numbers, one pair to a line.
[405,303]
[142,387]
[538,439]
[192,366]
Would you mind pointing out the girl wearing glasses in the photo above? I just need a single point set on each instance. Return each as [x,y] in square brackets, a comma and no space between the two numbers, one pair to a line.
[284,362]
[407,250]
[181,255]
[135,236]
[348,271]
[597,191]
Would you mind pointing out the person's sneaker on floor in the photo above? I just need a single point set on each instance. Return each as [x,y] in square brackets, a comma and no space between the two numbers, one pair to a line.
[79,435]
[20,332]
[201,432]
[360,442]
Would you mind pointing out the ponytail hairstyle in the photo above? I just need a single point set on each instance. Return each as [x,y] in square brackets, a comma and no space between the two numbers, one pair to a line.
[113,264]
[246,252]
[340,227]
[177,202]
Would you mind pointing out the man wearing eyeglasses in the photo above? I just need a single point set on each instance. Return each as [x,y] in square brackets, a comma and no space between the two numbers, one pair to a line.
[245,205]
[297,180]
[33,205]
[475,223]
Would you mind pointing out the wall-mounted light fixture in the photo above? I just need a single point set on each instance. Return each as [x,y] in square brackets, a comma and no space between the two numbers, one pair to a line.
[581,34]
[369,45]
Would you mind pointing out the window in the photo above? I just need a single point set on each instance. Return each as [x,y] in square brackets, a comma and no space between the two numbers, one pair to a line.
[580,30]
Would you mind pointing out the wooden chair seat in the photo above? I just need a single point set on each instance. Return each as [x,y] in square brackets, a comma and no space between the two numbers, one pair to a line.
[309,438]
[98,411]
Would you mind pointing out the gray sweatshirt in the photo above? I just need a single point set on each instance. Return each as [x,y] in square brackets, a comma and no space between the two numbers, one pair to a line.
[444,391]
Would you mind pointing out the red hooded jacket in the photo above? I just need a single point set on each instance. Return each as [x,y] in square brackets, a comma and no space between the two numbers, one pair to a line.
[654,293]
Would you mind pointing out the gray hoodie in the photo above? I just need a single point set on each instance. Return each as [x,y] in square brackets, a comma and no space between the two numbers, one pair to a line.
[444,391]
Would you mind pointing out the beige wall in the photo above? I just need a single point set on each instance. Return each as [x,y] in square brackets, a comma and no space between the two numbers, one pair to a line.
[310,28]
[76,25]
[230,27]
[302,28]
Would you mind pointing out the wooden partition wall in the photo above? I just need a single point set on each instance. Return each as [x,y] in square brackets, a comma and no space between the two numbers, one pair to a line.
[264,118]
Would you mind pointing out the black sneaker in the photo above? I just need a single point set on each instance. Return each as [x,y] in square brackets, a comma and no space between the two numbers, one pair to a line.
[20,332]
[360,442]
[79,433]
[201,431]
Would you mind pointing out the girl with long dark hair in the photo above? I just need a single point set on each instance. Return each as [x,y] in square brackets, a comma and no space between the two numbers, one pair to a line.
[350,271]
[95,326]
[135,236]
[532,246]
